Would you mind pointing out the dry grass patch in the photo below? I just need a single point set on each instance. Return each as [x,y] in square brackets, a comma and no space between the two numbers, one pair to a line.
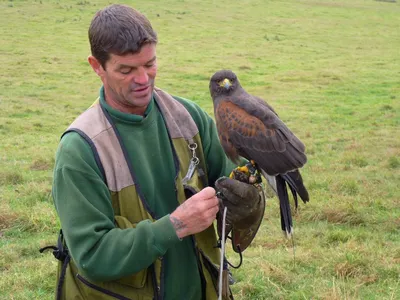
[11,178]
[350,270]
[339,292]
[41,165]
[7,220]
[271,245]
[38,219]
[334,215]
[35,223]
[343,216]
[279,275]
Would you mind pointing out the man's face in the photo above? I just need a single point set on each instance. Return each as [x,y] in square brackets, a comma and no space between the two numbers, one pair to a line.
[129,79]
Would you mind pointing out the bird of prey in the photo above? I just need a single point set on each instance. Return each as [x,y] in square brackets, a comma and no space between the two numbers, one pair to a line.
[249,127]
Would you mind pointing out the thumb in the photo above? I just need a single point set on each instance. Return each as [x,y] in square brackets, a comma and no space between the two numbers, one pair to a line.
[206,193]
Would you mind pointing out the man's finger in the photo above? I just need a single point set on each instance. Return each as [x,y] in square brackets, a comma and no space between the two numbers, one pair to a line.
[207,193]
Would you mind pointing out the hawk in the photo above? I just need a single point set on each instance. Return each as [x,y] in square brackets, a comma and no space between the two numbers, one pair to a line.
[249,127]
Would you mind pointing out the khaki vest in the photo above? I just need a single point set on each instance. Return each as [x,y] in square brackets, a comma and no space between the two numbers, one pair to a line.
[130,209]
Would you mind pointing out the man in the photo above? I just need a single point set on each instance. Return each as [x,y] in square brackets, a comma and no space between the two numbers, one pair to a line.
[133,179]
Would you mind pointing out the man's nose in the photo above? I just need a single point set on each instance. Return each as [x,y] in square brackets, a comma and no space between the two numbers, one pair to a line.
[141,76]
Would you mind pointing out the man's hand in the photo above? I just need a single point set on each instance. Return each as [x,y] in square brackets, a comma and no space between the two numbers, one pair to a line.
[196,214]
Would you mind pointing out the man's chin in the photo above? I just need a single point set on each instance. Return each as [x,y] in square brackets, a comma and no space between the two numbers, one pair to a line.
[140,101]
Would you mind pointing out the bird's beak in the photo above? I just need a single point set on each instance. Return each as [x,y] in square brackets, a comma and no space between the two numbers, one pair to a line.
[225,83]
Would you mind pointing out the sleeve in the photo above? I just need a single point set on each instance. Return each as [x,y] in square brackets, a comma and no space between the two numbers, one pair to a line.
[83,203]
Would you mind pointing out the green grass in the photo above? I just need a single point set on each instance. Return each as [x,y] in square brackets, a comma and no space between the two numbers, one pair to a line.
[331,70]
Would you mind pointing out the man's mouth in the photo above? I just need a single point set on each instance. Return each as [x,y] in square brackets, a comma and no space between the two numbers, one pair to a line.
[142,91]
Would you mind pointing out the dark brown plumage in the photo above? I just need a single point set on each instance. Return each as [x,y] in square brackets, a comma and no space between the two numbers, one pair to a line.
[249,127]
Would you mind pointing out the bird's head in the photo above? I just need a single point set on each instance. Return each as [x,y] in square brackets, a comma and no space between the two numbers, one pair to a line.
[223,82]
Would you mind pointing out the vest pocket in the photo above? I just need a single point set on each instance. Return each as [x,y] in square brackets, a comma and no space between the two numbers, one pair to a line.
[137,280]
[110,290]
[190,190]
[98,292]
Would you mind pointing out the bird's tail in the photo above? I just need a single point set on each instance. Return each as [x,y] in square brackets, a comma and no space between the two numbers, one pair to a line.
[278,184]
[296,185]
[284,205]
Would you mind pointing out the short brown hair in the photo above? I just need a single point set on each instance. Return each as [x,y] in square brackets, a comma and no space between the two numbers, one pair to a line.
[119,29]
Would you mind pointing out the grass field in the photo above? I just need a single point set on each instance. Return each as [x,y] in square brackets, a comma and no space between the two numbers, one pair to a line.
[331,69]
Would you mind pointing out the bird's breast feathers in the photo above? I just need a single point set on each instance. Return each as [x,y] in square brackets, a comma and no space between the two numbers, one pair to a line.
[235,119]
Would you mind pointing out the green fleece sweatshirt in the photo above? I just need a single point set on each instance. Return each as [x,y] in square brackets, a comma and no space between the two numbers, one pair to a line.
[82,200]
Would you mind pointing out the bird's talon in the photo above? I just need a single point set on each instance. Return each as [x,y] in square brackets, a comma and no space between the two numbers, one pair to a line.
[243,169]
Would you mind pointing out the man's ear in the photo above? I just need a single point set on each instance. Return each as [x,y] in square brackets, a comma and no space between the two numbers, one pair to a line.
[96,65]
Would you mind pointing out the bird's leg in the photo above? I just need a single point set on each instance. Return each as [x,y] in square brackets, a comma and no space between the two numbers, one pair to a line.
[248,173]
[243,169]
[255,176]
[240,173]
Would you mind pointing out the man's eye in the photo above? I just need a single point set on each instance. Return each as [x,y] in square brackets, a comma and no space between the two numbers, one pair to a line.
[125,71]
[150,65]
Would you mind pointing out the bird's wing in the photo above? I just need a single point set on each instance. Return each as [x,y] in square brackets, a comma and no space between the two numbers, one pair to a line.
[254,131]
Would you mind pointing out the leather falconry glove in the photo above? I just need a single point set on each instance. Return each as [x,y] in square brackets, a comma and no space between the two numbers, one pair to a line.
[245,209]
